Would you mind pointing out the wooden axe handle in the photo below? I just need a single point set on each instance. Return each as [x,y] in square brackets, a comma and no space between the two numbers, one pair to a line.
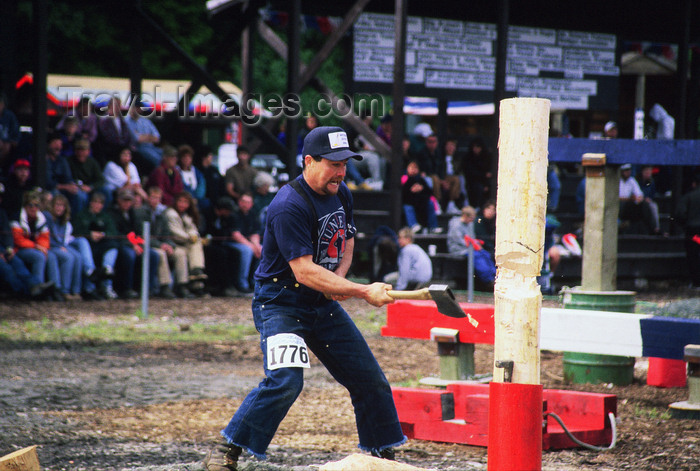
[415,294]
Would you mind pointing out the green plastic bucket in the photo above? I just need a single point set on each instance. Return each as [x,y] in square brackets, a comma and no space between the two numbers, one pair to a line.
[590,367]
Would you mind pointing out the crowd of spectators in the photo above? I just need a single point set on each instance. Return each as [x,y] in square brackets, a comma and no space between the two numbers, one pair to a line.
[78,232]
[80,235]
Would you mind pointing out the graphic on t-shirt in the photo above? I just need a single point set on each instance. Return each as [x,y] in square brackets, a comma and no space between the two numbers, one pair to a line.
[331,241]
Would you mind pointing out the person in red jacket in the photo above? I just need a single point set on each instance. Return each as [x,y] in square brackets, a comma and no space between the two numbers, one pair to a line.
[167,177]
[32,241]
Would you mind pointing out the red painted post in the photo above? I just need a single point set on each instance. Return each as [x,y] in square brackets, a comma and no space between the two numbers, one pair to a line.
[515,427]
[666,373]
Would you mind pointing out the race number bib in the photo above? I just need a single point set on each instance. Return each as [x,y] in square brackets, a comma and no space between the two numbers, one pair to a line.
[287,351]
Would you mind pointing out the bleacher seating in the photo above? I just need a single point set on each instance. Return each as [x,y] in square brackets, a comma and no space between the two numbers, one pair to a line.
[640,257]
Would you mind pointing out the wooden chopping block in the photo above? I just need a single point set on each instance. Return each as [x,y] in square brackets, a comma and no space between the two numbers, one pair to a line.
[25,459]
[359,462]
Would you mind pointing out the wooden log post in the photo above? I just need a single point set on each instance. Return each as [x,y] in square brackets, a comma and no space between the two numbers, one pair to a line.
[520,219]
[599,264]
[515,395]
[25,459]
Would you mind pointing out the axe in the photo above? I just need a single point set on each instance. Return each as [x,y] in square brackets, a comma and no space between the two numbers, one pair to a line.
[441,294]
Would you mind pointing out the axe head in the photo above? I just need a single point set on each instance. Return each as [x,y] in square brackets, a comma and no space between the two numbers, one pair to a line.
[445,300]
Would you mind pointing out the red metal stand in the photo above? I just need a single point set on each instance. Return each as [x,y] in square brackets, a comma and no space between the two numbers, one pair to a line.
[460,414]
[515,427]
[414,319]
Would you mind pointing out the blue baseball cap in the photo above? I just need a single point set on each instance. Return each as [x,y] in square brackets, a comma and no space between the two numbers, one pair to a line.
[329,142]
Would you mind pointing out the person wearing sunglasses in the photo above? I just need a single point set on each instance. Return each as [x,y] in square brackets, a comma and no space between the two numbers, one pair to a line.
[32,242]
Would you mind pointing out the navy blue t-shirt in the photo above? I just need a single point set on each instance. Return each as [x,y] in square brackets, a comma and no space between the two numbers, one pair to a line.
[288,230]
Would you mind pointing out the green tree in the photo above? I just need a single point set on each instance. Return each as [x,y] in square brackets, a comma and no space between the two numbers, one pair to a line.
[270,71]
[93,38]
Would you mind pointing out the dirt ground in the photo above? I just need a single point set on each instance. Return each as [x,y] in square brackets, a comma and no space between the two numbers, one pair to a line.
[97,406]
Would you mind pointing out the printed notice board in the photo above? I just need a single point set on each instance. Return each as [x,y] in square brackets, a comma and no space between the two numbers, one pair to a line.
[456,60]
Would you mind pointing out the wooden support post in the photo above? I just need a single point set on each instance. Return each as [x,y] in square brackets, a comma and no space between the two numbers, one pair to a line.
[308,72]
[456,361]
[135,56]
[515,394]
[339,105]
[456,358]
[599,265]
[247,85]
[221,53]
[293,60]
[200,74]
[40,122]
[690,409]
[25,459]
[398,122]
[692,356]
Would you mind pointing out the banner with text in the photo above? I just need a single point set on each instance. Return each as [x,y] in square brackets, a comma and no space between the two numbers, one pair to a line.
[456,60]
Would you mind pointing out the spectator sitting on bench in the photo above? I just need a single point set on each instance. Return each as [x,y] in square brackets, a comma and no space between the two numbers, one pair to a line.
[383,249]
[182,219]
[485,225]
[648,187]
[415,267]
[634,208]
[418,206]
[457,228]
[688,216]
[460,229]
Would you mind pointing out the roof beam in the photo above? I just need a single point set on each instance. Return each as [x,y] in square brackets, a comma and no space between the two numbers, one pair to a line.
[200,73]
[313,67]
[280,47]
[221,52]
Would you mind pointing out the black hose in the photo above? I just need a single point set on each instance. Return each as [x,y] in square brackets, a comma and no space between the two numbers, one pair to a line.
[613,425]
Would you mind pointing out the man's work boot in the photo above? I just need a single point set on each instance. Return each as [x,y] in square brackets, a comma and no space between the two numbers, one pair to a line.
[223,457]
[385,454]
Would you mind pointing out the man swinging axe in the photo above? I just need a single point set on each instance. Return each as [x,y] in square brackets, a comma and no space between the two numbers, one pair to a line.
[307,251]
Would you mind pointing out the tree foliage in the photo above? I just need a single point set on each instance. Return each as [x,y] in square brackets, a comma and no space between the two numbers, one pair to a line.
[270,71]
[93,38]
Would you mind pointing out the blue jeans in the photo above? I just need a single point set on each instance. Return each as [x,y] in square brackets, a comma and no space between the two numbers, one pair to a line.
[78,201]
[42,266]
[15,274]
[127,266]
[353,173]
[81,247]
[69,266]
[109,259]
[411,219]
[328,331]
[245,259]
[151,153]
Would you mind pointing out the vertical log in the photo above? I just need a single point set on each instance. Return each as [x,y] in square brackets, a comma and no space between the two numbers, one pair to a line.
[515,394]
[520,219]
[599,265]
[25,459]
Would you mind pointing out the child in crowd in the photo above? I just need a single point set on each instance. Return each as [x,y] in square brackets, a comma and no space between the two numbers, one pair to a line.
[418,203]
[415,266]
